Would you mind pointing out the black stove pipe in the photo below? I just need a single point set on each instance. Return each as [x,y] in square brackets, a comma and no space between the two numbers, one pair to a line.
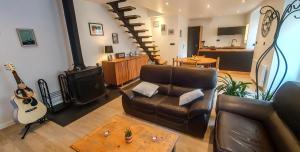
[70,16]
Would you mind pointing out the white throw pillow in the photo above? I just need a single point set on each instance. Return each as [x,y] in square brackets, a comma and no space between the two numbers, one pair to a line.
[147,89]
[190,96]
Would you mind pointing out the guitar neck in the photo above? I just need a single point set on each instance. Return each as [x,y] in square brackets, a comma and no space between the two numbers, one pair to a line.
[17,78]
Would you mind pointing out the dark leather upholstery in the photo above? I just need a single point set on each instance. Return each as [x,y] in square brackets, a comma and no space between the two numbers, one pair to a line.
[253,125]
[164,108]
[241,134]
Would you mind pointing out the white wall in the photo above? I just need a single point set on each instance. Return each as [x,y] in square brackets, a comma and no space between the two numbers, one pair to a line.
[93,46]
[264,42]
[253,22]
[45,61]
[289,44]
[211,25]
[163,39]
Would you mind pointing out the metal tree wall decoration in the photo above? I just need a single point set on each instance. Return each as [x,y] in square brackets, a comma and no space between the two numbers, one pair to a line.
[271,14]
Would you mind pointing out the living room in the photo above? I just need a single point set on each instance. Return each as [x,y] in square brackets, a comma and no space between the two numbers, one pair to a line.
[161,75]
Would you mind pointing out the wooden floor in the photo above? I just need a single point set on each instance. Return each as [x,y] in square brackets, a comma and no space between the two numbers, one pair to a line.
[52,137]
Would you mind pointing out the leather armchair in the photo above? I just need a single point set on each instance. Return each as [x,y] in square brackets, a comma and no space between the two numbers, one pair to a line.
[252,125]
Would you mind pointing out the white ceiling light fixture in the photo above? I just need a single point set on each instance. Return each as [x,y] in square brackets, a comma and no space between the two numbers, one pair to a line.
[167,3]
[179,10]
[208,6]
[243,1]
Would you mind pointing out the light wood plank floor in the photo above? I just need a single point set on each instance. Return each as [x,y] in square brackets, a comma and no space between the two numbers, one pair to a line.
[51,137]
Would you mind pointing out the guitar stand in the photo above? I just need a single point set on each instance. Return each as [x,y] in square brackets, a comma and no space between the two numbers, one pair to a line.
[27,127]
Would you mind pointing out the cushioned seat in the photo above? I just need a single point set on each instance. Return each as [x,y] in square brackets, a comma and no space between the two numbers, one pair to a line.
[146,104]
[241,133]
[169,107]
[164,107]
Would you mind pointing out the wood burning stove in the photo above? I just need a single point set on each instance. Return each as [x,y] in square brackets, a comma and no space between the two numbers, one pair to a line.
[85,84]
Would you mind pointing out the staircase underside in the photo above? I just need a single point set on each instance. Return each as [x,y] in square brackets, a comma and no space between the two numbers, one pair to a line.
[147,46]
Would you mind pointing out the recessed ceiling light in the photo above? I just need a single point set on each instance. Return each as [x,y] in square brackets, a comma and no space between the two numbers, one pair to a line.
[208,6]
[243,1]
[179,10]
[167,3]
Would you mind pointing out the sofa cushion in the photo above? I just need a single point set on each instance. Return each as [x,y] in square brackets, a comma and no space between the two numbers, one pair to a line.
[163,88]
[177,91]
[145,88]
[156,74]
[169,107]
[145,104]
[189,97]
[194,78]
[237,133]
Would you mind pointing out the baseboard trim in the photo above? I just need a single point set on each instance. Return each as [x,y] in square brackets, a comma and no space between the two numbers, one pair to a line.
[7,124]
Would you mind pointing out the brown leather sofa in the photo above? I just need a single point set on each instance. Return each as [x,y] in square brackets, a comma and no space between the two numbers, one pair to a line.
[163,108]
[247,125]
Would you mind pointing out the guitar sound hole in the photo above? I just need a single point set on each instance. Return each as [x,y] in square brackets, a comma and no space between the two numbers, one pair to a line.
[33,102]
[27,101]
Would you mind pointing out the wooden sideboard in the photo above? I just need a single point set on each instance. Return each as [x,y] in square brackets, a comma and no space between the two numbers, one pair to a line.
[119,71]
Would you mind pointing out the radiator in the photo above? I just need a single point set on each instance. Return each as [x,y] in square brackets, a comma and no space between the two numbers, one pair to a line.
[262,73]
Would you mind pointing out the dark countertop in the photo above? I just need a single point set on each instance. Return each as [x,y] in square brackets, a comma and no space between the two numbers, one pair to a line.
[224,50]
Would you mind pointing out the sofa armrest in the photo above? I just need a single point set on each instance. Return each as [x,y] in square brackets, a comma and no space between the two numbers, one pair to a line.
[127,93]
[252,108]
[204,105]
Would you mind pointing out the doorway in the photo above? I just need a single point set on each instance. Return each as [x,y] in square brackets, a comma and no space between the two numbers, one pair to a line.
[194,39]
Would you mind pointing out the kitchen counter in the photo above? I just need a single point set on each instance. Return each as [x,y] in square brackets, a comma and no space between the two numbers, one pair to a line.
[225,50]
[233,59]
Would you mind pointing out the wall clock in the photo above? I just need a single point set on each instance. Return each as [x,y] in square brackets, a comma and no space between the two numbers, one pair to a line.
[267,23]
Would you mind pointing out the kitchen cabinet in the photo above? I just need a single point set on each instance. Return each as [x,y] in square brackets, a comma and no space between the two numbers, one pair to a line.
[239,30]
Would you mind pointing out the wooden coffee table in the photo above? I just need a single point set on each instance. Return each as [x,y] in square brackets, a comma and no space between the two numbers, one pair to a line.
[142,138]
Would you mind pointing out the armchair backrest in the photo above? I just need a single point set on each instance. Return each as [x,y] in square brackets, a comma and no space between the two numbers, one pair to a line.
[287,105]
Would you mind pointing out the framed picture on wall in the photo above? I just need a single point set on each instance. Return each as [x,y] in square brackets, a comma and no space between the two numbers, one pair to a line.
[171,32]
[156,24]
[163,27]
[26,37]
[96,29]
[115,38]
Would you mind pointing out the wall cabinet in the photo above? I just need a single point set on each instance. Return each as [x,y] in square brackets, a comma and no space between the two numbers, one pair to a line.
[119,71]
[239,30]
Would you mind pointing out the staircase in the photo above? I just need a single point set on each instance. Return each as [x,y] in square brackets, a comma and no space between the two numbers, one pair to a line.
[141,40]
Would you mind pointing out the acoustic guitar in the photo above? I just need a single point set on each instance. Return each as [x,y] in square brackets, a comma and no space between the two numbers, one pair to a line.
[27,108]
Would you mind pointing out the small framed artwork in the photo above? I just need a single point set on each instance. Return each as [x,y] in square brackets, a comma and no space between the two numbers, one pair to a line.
[26,37]
[156,24]
[180,33]
[120,55]
[171,32]
[96,29]
[115,38]
[163,27]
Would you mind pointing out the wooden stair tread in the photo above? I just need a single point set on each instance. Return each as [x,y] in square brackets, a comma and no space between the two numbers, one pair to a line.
[141,36]
[127,8]
[145,42]
[129,17]
[135,24]
[139,31]
[152,51]
[117,1]
[123,9]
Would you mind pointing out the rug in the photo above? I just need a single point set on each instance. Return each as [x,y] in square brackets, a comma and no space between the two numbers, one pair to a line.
[73,112]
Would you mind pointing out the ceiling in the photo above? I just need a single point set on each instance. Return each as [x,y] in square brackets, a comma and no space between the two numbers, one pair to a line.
[197,8]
